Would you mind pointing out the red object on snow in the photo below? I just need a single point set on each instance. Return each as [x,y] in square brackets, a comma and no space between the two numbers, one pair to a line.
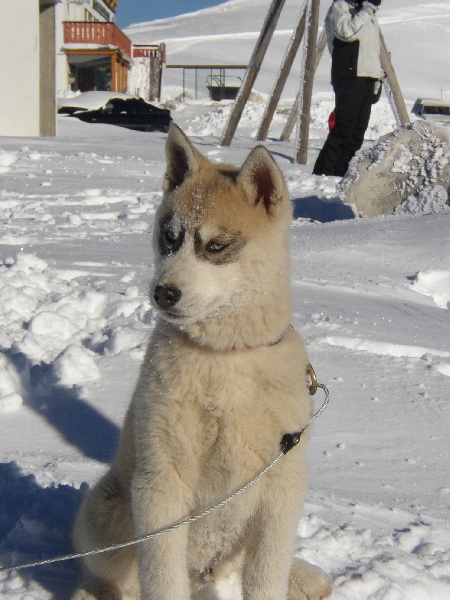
[332,120]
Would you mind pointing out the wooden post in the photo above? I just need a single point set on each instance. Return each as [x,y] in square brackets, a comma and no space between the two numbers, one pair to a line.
[114,78]
[253,69]
[283,73]
[286,134]
[304,105]
[394,93]
[320,47]
[47,92]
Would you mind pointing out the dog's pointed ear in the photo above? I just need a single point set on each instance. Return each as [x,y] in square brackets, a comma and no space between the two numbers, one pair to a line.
[182,158]
[262,180]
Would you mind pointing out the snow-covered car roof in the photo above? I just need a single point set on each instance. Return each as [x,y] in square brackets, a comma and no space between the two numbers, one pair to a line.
[91,100]
[432,102]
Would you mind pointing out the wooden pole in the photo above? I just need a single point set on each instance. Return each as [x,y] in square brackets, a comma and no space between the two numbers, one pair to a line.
[114,78]
[47,93]
[292,118]
[286,134]
[304,105]
[283,73]
[320,47]
[253,69]
[394,93]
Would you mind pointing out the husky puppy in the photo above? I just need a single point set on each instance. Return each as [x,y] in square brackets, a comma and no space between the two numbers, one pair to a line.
[222,381]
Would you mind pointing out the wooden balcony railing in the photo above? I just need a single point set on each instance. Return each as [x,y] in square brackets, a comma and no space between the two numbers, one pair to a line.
[102,34]
[157,51]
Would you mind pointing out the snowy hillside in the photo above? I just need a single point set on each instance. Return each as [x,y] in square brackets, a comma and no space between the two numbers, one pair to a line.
[371,297]
[416,33]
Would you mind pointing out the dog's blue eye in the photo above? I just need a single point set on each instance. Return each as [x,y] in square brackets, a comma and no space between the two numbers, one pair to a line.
[171,236]
[170,239]
[215,247]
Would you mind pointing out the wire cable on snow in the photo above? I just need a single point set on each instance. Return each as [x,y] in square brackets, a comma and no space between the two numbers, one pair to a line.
[289,441]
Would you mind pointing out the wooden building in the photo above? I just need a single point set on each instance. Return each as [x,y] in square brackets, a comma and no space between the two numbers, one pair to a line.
[53,47]
[93,53]
[145,77]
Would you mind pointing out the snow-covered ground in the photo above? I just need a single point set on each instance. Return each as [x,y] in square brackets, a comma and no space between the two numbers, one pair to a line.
[372,300]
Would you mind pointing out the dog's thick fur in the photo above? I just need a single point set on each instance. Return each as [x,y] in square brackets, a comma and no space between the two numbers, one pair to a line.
[222,380]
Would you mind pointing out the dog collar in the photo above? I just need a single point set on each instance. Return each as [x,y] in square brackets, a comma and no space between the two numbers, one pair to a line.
[274,343]
[239,348]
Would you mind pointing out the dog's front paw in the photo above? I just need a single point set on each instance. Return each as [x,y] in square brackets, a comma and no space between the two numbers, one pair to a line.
[308,582]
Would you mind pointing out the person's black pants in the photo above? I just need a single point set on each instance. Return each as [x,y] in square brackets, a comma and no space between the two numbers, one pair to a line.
[353,97]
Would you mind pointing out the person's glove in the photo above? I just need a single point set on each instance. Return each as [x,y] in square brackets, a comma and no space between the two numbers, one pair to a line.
[371,6]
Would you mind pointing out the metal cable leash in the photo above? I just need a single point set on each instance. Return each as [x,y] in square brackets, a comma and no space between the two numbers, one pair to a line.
[288,441]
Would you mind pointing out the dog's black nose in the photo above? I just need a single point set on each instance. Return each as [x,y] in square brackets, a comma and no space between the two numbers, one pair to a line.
[166,296]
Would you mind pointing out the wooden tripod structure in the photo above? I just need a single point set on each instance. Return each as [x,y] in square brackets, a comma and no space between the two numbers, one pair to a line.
[313,50]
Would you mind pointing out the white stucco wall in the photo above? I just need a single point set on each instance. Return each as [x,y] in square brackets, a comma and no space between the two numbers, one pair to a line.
[64,11]
[139,78]
[19,52]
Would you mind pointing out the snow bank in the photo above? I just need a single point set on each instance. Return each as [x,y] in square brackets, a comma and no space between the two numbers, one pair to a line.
[46,318]
[429,200]
[435,284]
[89,100]
[14,382]
[7,159]
[74,365]
[412,163]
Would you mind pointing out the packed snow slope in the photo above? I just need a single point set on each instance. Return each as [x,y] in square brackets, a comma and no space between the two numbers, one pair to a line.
[416,33]
[371,299]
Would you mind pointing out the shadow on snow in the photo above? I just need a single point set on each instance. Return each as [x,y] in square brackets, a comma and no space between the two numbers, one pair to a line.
[64,409]
[322,210]
[35,521]
[35,524]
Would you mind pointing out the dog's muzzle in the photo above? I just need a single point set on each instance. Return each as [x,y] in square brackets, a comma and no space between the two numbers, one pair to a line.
[166,296]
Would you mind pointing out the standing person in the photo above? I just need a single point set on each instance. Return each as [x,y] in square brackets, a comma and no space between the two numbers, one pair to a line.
[353,37]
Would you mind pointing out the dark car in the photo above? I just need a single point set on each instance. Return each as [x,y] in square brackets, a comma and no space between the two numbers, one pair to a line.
[132,112]
[432,110]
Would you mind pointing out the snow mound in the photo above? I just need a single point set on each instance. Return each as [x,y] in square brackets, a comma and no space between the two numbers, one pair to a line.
[214,121]
[410,161]
[7,159]
[75,364]
[429,200]
[435,284]
[14,382]
[46,318]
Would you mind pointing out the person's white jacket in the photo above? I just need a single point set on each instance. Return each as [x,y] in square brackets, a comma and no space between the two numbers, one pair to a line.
[353,37]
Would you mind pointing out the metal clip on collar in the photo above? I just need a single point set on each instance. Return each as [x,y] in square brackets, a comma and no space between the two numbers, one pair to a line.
[290,440]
